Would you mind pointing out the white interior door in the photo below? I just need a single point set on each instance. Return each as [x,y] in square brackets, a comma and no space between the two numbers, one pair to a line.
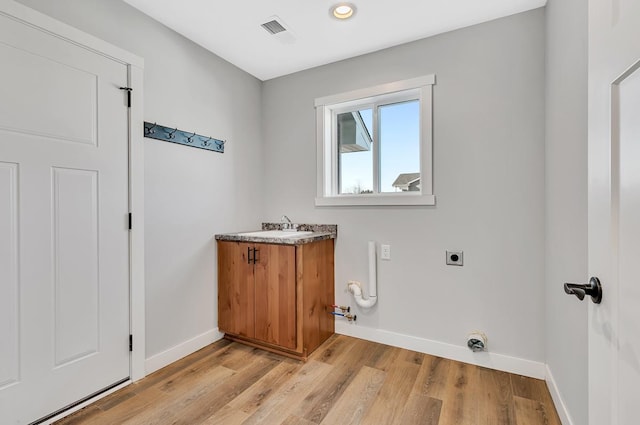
[614,210]
[64,249]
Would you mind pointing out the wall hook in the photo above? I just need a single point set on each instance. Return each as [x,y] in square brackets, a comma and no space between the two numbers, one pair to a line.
[190,138]
[150,130]
[206,143]
[172,134]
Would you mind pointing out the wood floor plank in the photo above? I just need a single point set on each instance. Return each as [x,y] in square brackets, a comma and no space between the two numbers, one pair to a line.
[460,401]
[83,416]
[533,412]
[433,377]
[537,390]
[296,420]
[253,397]
[132,407]
[533,389]
[329,349]
[117,398]
[226,416]
[188,397]
[414,357]
[133,410]
[421,410]
[341,349]
[495,398]
[357,397]
[197,370]
[280,405]
[178,367]
[389,403]
[317,403]
[384,357]
[238,357]
[345,367]
[347,380]
[179,398]
[207,403]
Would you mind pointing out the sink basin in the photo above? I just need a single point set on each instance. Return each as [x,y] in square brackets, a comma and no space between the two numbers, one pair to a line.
[276,234]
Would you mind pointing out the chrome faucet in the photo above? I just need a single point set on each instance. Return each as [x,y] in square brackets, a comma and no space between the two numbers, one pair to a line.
[287,224]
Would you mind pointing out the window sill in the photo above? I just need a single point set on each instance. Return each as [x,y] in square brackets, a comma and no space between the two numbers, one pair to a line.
[375,200]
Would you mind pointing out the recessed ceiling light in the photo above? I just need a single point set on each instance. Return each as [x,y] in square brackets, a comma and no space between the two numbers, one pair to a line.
[343,11]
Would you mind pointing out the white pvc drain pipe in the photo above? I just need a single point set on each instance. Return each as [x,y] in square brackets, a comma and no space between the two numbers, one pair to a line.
[355,287]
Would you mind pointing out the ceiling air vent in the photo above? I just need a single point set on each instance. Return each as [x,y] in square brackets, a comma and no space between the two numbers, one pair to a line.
[273,27]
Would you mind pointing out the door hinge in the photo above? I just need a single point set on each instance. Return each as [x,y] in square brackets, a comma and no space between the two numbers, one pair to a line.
[129,90]
[130,221]
[130,343]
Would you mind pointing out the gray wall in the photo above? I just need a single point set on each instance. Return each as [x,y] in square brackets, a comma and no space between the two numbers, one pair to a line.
[566,200]
[190,194]
[488,180]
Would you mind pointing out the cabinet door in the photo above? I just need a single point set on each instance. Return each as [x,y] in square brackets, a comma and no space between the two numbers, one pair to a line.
[236,314]
[275,272]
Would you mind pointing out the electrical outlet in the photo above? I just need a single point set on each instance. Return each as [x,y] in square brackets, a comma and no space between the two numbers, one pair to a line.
[385,252]
[454,258]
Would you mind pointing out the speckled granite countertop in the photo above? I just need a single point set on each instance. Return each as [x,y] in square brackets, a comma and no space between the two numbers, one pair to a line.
[320,232]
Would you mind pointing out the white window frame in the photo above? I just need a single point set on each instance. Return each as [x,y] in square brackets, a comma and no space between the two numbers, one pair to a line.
[328,107]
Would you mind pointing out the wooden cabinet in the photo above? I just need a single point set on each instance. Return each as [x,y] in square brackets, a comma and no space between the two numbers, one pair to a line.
[257,292]
[276,296]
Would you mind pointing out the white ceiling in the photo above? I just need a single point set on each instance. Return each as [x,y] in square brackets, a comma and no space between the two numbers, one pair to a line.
[231,29]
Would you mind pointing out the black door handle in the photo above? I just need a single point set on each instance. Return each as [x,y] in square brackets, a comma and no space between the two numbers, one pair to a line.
[593,289]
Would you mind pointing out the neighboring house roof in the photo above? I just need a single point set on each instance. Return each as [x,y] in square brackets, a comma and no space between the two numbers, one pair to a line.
[405,179]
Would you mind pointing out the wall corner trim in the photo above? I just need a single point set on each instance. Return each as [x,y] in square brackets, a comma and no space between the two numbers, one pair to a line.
[175,353]
[490,360]
[561,408]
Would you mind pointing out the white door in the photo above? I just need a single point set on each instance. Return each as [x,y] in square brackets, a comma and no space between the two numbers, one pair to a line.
[64,250]
[614,210]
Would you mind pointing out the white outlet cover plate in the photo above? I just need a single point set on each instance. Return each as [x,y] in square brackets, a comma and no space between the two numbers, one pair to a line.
[385,252]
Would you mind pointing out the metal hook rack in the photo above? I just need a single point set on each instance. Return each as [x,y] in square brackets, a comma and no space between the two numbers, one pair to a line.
[174,135]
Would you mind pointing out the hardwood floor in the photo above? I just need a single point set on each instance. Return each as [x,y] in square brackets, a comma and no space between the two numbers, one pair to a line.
[345,381]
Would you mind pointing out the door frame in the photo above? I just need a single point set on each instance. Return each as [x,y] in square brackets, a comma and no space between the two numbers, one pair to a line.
[135,69]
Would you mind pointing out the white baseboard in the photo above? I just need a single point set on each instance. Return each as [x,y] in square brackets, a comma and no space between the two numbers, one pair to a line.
[160,360]
[561,408]
[449,351]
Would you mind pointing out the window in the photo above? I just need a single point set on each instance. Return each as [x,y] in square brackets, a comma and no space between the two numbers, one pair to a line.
[374,145]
